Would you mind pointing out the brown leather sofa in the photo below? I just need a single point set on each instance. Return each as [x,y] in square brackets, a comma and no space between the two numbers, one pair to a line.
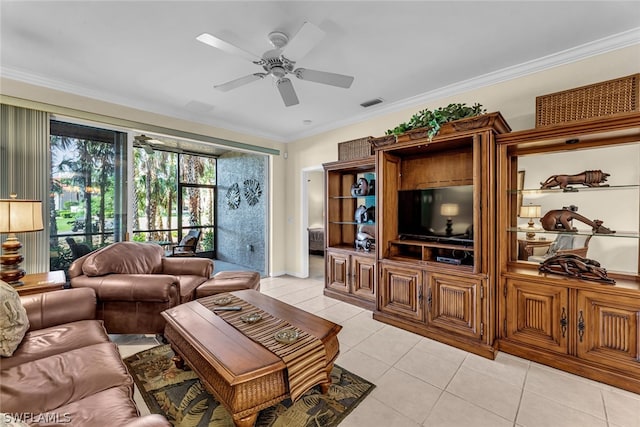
[66,371]
[134,283]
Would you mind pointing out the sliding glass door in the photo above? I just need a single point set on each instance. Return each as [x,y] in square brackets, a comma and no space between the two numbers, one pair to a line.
[86,191]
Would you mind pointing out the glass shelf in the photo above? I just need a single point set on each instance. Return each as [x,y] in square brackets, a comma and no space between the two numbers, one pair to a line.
[626,234]
[352,223]
[530,191]
[369,197]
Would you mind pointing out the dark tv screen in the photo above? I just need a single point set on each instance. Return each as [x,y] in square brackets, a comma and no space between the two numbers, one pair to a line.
[421,212]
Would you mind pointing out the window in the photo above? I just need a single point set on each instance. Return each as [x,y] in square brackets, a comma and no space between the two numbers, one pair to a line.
[86,190]
[173,194]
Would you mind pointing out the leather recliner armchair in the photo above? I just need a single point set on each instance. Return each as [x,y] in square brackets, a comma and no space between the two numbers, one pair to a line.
[66,367]
[134,283]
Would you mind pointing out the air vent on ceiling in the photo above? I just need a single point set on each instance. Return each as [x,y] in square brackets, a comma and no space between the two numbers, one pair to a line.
[371,102]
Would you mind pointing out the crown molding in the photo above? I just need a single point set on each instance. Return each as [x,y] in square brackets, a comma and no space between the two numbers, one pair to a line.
[567,56]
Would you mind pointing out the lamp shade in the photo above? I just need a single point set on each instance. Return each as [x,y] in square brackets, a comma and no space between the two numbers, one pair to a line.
[449,209]
[18,216]
[530,211]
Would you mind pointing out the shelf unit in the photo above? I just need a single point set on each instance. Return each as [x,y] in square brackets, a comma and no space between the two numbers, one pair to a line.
[350,269]
[587,327]
[441,284]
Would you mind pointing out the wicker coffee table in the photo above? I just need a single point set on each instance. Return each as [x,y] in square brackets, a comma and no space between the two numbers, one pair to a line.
[241,373]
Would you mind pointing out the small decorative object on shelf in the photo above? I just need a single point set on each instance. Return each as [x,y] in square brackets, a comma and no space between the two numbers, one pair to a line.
[592,178]
[363,188]
[560,220]
[365,241]
[576,266]
[365,214]
[530,211]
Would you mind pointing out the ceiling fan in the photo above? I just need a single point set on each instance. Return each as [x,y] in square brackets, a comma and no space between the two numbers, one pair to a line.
[144,142]
[277,62]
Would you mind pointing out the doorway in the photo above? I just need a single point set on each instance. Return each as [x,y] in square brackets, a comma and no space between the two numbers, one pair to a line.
[313,222]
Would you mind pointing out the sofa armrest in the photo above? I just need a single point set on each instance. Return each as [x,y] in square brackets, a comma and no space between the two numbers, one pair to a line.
[75,269]
[187,266]
[132,287]
[153,420]
[55,308]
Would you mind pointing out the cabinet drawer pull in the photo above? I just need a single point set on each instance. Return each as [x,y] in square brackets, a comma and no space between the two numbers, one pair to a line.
[581,326]
[563,322]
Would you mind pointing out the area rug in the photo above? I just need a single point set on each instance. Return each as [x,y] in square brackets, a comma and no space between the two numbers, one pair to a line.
[180,396]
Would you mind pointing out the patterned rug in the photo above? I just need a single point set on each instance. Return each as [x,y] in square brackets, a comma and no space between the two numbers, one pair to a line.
[180,396]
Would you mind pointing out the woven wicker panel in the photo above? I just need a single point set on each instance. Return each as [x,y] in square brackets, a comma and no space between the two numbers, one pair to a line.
[355,149]
[597,100]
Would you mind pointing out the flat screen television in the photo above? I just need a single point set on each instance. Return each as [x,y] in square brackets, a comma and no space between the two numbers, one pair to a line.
[442,214]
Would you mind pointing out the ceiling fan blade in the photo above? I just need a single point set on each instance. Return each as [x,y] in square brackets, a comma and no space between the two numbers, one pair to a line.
[307,37]
[323,77]
[287,92]
[226,47]
[225,87]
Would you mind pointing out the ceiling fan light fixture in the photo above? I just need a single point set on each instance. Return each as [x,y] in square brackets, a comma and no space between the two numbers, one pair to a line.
[278,39]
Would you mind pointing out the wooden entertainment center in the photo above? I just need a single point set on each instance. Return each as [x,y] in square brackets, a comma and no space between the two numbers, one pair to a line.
[468,283]
[434,283]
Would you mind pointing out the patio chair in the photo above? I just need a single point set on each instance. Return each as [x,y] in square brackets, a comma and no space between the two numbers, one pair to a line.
[187,246]
[77,249]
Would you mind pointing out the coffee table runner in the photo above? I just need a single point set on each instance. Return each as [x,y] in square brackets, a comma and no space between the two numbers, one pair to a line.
[305,358]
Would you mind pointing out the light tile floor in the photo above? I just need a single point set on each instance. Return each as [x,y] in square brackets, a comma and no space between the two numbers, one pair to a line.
[421,382]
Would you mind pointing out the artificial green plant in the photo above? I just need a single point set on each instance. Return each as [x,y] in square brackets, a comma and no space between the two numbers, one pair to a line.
[436,118]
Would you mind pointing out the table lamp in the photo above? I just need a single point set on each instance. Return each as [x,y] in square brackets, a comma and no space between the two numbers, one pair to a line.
[530,211]
[449,210]
[16,216]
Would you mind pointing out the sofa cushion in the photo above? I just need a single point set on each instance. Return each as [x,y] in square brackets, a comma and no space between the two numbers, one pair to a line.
[14,322]
[46,384]
[188,285]
[46,342]
[124,258]
[114,407]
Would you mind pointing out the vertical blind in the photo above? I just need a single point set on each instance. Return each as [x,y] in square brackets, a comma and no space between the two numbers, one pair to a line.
[24,170]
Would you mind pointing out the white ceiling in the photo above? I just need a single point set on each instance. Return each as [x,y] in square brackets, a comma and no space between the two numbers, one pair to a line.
[144,54]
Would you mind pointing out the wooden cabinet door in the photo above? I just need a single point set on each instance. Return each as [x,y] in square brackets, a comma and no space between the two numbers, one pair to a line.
[338,271]
[538,315]
[401,292]
[364,277]
[608,330]
[454,304]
